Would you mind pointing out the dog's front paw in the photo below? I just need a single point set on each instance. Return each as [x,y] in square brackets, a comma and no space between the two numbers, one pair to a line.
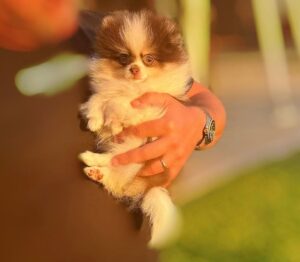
[94,173]
[95,124]
[95,159]
[113,124]
[88,158]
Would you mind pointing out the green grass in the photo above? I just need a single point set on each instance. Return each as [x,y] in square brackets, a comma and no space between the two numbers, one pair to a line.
[255,217]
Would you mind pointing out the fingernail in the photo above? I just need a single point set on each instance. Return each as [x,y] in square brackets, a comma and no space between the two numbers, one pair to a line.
[136,103]
[115,162]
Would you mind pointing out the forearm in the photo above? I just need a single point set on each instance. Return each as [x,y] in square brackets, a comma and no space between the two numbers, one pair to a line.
[204,99]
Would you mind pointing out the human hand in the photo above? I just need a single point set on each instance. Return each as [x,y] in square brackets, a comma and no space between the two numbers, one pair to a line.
[178,132]
[25,25]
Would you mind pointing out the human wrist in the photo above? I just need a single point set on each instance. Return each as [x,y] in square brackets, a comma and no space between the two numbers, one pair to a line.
[205,100]
[206,127]
[199,119]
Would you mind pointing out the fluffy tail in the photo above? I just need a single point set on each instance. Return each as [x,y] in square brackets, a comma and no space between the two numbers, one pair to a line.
[164,217]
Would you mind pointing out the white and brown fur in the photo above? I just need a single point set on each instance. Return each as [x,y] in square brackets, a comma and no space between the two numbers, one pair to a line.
[120,73]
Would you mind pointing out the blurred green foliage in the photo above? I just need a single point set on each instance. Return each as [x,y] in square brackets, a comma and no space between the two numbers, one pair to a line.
[256,217]
[53,76]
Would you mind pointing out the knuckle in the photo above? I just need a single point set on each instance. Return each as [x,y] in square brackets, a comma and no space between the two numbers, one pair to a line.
[170,125]
[179,151]
[174,142]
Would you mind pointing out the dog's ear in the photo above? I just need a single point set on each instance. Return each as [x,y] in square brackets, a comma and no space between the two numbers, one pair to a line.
[89,22]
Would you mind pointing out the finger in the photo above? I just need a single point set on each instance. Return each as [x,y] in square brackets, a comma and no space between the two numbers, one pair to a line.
[175,169]
[157,180]
[155,167]
[153,128]
[173,173]
[152,99]
[168,183]
[147,152]
[196,88]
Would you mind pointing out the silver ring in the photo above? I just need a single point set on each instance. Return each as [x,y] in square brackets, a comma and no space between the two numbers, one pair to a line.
[164,165]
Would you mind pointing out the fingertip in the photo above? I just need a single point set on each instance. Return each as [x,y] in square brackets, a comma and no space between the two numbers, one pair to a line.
[115,162]
[166,185]
[142,100]
[136,103]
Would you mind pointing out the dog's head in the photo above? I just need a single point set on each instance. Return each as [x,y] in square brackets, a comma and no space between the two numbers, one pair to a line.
[137,45]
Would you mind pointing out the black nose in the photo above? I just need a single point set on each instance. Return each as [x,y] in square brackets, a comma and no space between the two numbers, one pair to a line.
[134,69]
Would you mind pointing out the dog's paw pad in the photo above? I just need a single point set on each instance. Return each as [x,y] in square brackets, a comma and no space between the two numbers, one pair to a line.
[93,173]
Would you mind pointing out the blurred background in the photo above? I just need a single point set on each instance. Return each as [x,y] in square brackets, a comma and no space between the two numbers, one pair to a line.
[240,199]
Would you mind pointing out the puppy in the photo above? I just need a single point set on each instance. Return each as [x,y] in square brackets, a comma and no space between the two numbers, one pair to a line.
[136,53]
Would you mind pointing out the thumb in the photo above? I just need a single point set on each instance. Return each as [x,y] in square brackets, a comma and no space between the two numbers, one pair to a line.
[152,99]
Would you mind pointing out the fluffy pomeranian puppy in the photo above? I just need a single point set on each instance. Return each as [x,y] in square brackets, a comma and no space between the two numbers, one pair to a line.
[136,53]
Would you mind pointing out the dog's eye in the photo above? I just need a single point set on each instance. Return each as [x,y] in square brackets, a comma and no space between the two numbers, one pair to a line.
[149,60]
[124,59]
